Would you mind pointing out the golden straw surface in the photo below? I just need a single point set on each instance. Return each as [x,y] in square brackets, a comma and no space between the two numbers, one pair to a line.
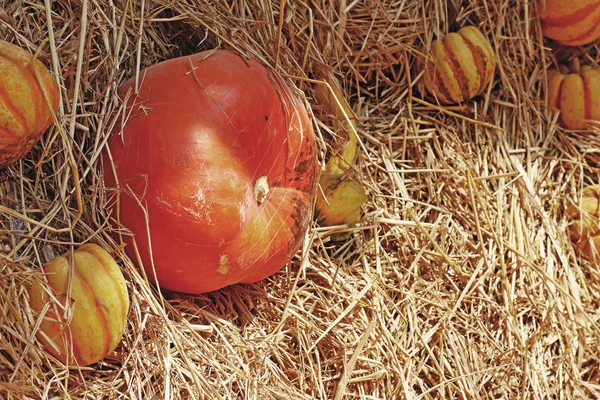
[461,280]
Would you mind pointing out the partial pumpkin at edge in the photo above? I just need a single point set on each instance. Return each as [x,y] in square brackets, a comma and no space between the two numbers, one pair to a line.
[29,98]
[571,23]
[575,93]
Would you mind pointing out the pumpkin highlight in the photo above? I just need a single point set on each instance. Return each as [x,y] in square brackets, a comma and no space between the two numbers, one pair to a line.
[28,100]
[461,65]
[98,301]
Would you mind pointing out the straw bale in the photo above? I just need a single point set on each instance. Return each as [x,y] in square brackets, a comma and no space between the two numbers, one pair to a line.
[460,282]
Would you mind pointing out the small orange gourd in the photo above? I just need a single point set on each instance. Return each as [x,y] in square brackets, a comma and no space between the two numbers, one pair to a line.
[88,326]
[28,100]
[575,92]
[571,22]
[462,64]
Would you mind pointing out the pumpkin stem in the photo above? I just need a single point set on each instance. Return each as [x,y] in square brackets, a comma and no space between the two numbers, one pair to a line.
[575,65]
[261,188]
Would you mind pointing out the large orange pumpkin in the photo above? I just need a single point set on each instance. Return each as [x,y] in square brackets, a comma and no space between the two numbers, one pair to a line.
[217,169]
[28,100]
[572,22]
[576,94]
[462,64]
[94,326]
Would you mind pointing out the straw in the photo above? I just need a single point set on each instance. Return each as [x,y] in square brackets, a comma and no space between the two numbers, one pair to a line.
[460,281]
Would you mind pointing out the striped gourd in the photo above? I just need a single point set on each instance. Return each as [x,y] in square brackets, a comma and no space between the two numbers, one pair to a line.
[90,325]
[576,94]
[461,65]
[28,100]
[572,23]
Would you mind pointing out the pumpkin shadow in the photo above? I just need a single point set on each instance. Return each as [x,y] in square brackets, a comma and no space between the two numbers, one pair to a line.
[237,305]
[562,54]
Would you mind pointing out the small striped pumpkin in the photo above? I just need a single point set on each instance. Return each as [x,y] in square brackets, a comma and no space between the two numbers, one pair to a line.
[462,64]
[99,306]
[28,100]
[576,94]
[572,23]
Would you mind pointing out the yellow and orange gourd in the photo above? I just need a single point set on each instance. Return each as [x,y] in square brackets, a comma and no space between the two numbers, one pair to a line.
[575,92]
[461,65]
[86,326]
[28,101]
[340,200]
[572,23]
[584,222]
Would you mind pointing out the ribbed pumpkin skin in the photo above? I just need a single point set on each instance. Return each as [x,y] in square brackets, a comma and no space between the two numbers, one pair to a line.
[576,95]
[28,100]
[572,23]
[584,218]
[462,64]
[100,306]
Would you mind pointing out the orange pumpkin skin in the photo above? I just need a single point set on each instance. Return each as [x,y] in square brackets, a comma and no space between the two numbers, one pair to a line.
[576,95]
[204,129]
[572,23]
[99,300]
[28,100]
[462,64]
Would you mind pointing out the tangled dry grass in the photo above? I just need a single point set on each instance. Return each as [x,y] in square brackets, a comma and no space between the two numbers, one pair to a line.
[461,282]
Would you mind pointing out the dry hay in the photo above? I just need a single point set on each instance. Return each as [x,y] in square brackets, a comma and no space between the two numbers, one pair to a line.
[460,283]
